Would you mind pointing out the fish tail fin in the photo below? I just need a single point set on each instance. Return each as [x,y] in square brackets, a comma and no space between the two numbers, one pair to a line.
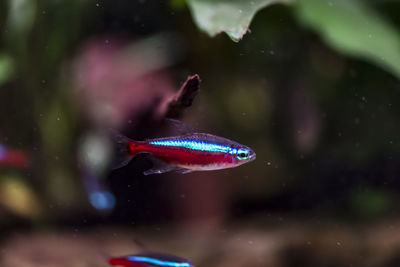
[125,149]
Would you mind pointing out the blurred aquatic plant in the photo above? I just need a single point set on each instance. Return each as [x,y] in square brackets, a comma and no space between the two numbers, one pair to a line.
[21,16]
[37,37]
[232,17]
[123,85]
[116,80]
[349,26]
[59,115]
[6,68]
[369,202]
[354,29]
[17,196]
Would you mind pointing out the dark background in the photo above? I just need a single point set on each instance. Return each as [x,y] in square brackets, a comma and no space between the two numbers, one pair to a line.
[324,126]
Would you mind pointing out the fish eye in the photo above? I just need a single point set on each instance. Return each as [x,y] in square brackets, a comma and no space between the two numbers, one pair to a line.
[242,154]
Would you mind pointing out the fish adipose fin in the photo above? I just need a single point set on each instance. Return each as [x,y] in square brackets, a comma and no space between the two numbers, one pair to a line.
[179,126]
[123,153]
[162,167]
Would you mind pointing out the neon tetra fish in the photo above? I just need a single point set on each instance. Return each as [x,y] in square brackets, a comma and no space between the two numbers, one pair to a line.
[150,260]
[186,153]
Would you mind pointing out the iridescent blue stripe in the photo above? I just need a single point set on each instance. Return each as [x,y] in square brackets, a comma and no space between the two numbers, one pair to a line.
[195,145]
[158,262]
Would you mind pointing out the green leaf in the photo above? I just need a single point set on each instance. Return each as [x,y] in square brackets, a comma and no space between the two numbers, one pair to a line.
[354,29]
[230,16]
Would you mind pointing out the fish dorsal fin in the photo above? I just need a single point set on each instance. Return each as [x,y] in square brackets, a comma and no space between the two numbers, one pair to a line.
[179,126]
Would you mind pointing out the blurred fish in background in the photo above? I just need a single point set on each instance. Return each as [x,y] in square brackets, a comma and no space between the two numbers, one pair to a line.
[16,195]
[13,158]
[150,260]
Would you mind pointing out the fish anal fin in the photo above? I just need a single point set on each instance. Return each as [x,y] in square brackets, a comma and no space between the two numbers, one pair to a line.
[169,168]
[160,167]
[155,171]
[121,162]
[158,170]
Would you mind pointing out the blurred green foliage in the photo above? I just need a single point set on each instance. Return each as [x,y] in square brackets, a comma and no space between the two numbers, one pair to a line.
[370,203]
[36,37]
[320,121]
[350,26]
[6,68]
[231,17]
[354,29]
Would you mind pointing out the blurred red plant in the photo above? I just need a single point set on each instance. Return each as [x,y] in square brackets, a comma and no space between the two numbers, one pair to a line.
[122,84]
[116,81]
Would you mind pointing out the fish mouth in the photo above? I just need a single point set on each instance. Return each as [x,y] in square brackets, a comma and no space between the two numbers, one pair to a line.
[252,156]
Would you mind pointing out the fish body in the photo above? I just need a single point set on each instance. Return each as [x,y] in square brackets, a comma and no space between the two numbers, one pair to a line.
[189,152]
[150,260]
